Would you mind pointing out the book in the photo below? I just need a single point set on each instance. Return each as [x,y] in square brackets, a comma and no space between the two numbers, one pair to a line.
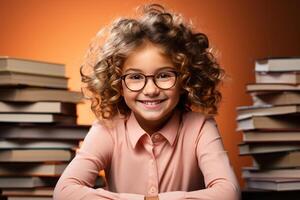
[40,191]
[38,144]
[20,79]
[275,98]
[44,131]
[289,159]
[274,184]
[278,77]
[32,169]
[244,112]
[31,66]
[250,172]
[36,118]
[260,194]
[277,64]
[35,155]
[27,182]
[28,198]
[266,148]
[39,94]
[254,87]
[38,107]
[269,122]
[271,136]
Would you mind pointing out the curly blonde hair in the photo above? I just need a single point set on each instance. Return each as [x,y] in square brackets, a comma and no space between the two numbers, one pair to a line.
[200,74]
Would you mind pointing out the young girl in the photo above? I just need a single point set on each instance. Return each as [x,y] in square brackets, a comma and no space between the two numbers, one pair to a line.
[145,80]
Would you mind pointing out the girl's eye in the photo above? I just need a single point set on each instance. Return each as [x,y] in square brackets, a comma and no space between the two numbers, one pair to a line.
[165,75]
[135,77]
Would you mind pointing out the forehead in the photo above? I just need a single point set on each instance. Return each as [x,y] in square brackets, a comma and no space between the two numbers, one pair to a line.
[147,58]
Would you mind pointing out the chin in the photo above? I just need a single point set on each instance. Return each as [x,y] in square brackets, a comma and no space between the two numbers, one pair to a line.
[151,118]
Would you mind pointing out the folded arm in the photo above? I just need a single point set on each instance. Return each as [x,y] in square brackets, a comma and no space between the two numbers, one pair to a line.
[78,179]
[220,180]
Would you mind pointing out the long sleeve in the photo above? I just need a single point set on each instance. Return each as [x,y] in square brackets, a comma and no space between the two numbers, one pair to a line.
[78,179]
[220,180]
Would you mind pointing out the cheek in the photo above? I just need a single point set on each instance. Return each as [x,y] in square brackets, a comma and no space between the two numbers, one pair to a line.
[127,95]
[126,100]
[175,95]
[178,91]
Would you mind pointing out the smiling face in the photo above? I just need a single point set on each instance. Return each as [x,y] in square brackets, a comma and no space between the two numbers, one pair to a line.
[151,106]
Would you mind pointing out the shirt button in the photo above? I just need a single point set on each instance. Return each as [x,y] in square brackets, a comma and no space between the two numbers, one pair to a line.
[152,190]
[156,138]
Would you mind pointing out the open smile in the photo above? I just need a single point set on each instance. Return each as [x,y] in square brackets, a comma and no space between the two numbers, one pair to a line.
[151,104]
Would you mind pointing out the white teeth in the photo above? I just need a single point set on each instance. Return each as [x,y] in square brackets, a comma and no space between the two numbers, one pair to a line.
[151,102]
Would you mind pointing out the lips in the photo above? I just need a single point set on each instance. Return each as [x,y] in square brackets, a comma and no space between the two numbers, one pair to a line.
[151,104]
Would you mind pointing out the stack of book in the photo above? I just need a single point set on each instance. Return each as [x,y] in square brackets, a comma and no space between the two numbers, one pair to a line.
[271,126]
[38,130]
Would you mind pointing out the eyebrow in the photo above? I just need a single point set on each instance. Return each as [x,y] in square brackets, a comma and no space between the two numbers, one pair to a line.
[160,69]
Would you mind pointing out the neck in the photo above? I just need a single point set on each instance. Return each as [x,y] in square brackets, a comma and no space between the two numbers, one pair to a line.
[153,126]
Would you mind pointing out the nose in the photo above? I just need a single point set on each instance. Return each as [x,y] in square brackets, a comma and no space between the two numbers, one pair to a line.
[150,88]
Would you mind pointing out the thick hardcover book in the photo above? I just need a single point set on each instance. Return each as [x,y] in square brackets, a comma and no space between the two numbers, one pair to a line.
[27,182]
[38,107]
[289,159]
[244,112]
[269,122]
[31,66]
[275,98]
[20,79]
[44,132]
[36,155]
[37,118]
[37,144]
[266,148]
[28,198]
[257,87]
[249,172]
[32,169]
[278,77]
[260,194]
[274,184]
[40,191]
[271,136]
[39,94]
[277,64]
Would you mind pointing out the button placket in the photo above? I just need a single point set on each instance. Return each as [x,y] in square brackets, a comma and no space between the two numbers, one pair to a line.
[153,178]
[152,187]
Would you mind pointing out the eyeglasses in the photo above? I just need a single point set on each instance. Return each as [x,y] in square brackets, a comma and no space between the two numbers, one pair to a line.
[163,80]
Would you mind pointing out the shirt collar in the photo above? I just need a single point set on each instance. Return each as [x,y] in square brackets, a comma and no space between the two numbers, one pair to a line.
[169,131]
[134,130]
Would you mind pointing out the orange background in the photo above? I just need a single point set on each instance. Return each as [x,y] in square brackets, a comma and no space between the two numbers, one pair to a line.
[240,31]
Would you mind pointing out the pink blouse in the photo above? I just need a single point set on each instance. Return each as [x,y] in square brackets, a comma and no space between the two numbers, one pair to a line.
[184,160]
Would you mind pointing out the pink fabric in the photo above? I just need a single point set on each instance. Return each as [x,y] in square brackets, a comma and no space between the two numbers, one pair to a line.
[167,164]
